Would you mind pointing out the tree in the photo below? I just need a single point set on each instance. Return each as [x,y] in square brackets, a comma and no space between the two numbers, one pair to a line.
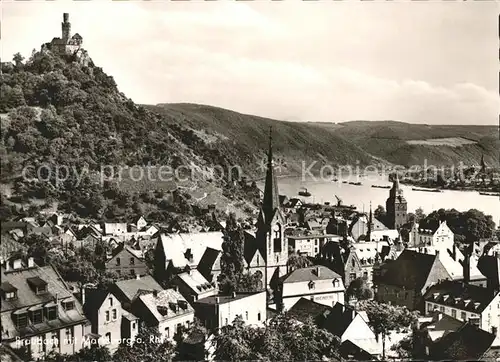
[190,343]
[359,290]
[385,318]
[297,261]
[419,214]
[236,342]
[149,346]
[38,247]
[380,214]
[18,59]
[93,353]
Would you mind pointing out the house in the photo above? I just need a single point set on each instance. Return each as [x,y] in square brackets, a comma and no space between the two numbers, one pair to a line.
[358,228]
[350,325]
[360,259]
[9,247]
[38,310]
[306,309]
[489,266]
[115,228]
[283,200]
[453,259]
[140,223]
[108,318]
[209,265]
[390,235]
[175,251]
[309,244]
[465,302]
[439,237]
[220,310]
[193,285]
[166,309]
[317,283]
[404,281]
[126,262]
[434,326]
[292,205]
[127,290]
[467,343]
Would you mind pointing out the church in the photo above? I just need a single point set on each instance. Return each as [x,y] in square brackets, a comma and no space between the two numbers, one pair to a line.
[267,250]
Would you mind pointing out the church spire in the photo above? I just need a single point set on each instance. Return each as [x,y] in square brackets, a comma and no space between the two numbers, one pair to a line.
[483,164]
[270,201]
[370,224]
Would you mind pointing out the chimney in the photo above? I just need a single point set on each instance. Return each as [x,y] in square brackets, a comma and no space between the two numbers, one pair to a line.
[437,254]
[217,300]
[318,271]
[454,253]
[155,293]
[233,295]
[31,262]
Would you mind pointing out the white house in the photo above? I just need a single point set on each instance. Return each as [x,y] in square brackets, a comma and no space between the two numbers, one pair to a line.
[310,244]
[465,302]
[441,238]
[317,283]
[220,310]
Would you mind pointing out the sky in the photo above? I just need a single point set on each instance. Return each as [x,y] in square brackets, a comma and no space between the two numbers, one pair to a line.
[327,61]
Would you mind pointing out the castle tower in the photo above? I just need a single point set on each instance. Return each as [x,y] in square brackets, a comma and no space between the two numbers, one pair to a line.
[270,225]
[396,206]
[66,28]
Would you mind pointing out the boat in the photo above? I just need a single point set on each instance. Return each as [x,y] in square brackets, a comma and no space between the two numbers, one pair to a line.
[428,190]
[335,180]
[355,183]
[381,187]
[344,182]
[304,192]
[489,194]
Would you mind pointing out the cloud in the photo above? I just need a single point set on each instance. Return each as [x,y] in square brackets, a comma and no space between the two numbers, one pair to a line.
[428,64]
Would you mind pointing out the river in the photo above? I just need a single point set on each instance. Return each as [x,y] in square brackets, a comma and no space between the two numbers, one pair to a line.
[361,196]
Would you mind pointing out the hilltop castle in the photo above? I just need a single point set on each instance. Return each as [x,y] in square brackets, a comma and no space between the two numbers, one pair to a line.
[67,44]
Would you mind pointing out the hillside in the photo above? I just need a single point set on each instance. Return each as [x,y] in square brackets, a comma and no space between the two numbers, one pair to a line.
[408,144]
[246,137]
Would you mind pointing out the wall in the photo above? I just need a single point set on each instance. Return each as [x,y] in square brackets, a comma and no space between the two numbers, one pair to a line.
[126,266]
[251,305]
[112,326]
[360,334]
[398,296]
[323,292]
[172,324]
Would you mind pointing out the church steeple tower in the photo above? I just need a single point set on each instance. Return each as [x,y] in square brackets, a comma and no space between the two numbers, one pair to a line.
[270,202]
[370,224]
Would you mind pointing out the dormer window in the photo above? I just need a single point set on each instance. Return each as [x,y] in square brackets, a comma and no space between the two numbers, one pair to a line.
[38,285]
[68,305]
[37,316]
[132,261]
[9,292]
[117,261]
[311,285]
[21,320]
[336,283]
[51,312]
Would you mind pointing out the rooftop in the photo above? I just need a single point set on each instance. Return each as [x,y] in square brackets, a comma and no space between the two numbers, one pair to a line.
[166,304]
[130,287]
[222,299]
[310,274]
[460,295]
[305,309]
[196,281]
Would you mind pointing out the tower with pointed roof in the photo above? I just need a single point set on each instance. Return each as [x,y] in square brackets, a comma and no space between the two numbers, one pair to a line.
[270,225]
[370,225]
[396,206]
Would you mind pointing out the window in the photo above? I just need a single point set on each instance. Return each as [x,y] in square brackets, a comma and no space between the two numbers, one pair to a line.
[179,327]
[132,261]
[188,324]
[41,289]
[70,305]
[117,261]
[494,330]
[246,315]
[107,316]
[365,275]
[353,262]
[108,337]
[37,316]
[119,272]
[110,301]
[133,325]
[22,320]
[167,332]
[226,321]
[69,335]
[311,285]
[406,295]
[55,338]
[441,309]
[51,313]
[10,295]
[463,316]
[132,272]
[258,316]
[352,276]
[454,313]
[114,314]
